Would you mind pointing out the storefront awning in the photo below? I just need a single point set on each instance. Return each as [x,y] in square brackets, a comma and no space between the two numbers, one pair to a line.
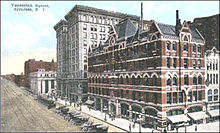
[89,102]
[198,115]
[214,113]
[178,118]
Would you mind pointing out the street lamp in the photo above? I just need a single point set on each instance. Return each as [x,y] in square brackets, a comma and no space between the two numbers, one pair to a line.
[105,109]
[80,104]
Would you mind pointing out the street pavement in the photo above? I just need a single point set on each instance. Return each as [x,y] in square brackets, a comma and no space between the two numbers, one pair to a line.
[20,112]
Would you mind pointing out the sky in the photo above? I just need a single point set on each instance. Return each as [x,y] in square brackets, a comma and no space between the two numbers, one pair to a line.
[30,34]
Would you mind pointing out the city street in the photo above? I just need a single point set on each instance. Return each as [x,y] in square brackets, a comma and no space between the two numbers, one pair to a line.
[20,112]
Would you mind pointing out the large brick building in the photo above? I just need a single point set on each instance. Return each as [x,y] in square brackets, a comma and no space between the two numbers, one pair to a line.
[84,27]
[32,66]
[156,74]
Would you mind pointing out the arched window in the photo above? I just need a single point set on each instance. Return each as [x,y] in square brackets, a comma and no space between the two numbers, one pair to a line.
[121,80]
[168,45]
[194,80]
[146,80]
[186,79]
[127,80]
[209,95]
[216,92]
[169,81]
[133,80]
[154,80]
[138,80]
[174,80]
[200,79]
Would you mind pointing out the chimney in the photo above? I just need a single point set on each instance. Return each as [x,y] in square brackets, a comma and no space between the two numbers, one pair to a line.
[142,25]
[177,27]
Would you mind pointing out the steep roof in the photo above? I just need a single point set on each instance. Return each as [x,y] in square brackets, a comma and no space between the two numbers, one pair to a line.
[125,29]
[169,30]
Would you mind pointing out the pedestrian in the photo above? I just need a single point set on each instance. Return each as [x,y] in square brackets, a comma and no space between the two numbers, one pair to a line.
[195,127]
[165,131]
[130,127]
[152,130]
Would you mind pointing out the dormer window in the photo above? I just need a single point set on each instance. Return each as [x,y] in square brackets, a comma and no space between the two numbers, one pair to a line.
[168,45]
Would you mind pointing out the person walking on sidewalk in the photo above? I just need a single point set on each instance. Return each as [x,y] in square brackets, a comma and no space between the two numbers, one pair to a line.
[130,127]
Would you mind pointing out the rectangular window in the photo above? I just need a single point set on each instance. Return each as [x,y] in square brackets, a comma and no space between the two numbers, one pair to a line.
[174,46]
[216,66]
[200,96]
[133,95]
[84,27]
[185,63]
[213,78]
[127,94]
[168,45]
[194,95]
[174,62]
[210,79]
[146,97]
[199,49]
[84,35]
[190,96]
[209,98]
[122,95]
[185,47]
[175,97]
[180,97]
[194,64]
[168,62]
[168,98]
[216,78]
[199,64]
[216,98]
[194,48]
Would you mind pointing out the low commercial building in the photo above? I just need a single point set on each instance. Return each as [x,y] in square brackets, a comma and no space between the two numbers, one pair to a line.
[42,82]
[212,81]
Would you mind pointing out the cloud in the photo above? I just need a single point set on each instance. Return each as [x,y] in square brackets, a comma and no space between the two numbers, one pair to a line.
[14,63]
[18,37]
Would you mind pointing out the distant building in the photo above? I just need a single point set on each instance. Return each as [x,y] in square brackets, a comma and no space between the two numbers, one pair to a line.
[212,78]
[83,28]
[17,79]
[42,82]
[156,74]
[32,66]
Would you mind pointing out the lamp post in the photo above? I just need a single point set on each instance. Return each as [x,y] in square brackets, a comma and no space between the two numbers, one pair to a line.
[80,104]
[105,109]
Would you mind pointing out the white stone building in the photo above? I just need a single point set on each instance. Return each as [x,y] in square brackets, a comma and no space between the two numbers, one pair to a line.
[212,78]
[42,82]
[83,28]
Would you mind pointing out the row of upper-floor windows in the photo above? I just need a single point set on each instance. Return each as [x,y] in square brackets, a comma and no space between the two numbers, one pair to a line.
[96,28]
[173,46]
[98,19]
[128,81]
[47,75]
[212,66]
[177,97]
[185,63]
[173,81]
[212,78]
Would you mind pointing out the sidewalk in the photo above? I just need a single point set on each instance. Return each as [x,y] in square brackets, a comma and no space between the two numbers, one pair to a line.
[118,122]
[124,124]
